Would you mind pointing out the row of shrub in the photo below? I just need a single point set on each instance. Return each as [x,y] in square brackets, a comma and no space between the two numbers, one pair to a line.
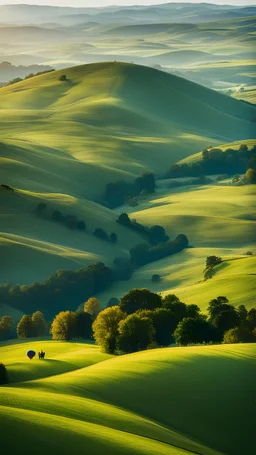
[72,222]
[215,161]
[29,76]
[118,193]
[154,235]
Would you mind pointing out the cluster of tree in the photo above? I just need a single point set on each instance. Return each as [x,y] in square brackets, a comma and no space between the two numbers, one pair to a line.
[215,161]
[120,192]
[144,254]
[211,262]
[32,326]
[155,235]
[56,293]
[144,320]
[6,328]
[72,222]
[6,187]
[19,79]
[68,325]
[248,179]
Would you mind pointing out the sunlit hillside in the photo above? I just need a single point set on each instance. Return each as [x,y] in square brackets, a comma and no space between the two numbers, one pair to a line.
[163,401]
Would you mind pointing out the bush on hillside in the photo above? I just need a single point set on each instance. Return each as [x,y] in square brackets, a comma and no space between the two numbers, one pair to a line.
[63,78]
[3,374]
[101,234]
[155,278]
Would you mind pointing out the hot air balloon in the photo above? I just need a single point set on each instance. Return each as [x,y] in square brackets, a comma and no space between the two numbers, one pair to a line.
[31,354]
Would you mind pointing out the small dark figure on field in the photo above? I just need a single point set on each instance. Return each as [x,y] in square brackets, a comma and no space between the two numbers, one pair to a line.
[41,354]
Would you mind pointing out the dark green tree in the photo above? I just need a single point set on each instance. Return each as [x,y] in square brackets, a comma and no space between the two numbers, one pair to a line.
[193,331]
[40,326]
[173,303]
[25,328]
[105,328]
[84,325]
[137,299]
[135,333]
[3,374]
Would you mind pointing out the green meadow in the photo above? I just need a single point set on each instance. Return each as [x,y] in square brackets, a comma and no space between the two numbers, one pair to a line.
[164,401]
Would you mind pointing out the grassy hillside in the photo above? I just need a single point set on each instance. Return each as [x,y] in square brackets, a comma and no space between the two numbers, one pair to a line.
[197,157]
[63,141]
[183,275]
[211,216]
[94,407]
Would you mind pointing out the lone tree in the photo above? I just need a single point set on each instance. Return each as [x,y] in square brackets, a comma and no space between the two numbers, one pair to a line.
[135,333]
[105,328]
[211,261]
[140,299]
[3,374]
[25,328]
[155,278]
[63,78]
[40,326]
[93,307]
[64,326]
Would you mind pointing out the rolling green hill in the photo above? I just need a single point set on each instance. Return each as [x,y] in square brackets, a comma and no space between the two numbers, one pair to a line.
[164,401]
[63,141]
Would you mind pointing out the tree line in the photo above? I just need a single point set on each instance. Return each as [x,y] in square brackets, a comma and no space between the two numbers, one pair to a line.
[215,161]
[72,222]
[144,320]
[66,286]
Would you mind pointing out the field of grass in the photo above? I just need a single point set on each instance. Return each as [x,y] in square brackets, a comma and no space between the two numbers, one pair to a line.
[164,401]
[182,275]
[216,215]
[62,142]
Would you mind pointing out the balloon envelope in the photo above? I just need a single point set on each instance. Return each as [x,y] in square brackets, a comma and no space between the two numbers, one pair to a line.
[31,354]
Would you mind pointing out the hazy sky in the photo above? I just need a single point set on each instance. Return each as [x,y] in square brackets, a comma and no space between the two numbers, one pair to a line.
[85,3]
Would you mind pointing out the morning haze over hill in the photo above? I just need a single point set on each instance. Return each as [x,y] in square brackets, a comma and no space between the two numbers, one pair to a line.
[127,240]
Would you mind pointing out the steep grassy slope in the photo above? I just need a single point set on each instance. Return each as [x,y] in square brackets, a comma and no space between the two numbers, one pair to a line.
[159,401]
